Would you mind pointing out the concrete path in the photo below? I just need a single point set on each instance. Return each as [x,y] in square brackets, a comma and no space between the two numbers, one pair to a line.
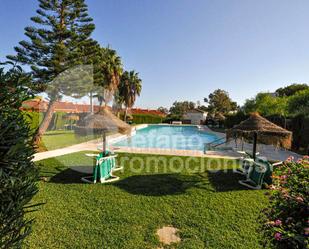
[90,145]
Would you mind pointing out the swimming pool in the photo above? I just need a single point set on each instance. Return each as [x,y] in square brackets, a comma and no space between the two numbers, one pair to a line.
[169,137]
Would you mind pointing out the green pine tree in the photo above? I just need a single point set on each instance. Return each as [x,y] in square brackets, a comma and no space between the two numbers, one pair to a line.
[59,41]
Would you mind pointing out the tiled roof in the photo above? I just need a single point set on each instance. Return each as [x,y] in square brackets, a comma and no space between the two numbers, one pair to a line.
[146,111]
[69,107]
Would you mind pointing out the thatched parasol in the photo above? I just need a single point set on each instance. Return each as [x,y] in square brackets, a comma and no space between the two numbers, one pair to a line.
[100,123]
[261,130]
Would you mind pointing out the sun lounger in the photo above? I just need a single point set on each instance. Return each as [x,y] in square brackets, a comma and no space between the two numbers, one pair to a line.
[259,173]
[246,162]
[104,168]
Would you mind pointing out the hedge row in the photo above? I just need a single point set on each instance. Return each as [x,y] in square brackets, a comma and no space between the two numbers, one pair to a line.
[146,119]
[35,118]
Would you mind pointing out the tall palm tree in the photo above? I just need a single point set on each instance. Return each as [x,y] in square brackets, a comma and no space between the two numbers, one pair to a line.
[130,87]
[109,70]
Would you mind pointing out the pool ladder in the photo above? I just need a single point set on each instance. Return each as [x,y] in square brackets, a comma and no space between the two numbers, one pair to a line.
[212,145]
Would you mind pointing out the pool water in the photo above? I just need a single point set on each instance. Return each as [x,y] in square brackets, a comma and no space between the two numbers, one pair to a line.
[169,137]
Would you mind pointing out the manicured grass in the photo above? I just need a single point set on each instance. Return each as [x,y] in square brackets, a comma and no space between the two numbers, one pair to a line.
[52,140]
[210,209]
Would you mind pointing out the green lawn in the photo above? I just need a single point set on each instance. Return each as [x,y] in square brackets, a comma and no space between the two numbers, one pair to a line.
[210,209]
[52,140]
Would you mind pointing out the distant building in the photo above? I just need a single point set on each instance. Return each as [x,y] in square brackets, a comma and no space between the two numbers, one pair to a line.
[39,105]
[195,116]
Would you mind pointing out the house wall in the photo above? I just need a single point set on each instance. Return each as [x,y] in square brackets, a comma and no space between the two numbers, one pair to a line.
[195,117]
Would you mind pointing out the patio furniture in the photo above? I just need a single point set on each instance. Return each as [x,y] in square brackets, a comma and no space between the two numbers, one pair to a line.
[259,172]
[246,161]
[103,169]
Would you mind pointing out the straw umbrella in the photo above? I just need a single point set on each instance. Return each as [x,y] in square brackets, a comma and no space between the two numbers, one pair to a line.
[262,131]
[101,123]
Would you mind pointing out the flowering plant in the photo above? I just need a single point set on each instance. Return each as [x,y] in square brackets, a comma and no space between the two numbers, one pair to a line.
[288,215]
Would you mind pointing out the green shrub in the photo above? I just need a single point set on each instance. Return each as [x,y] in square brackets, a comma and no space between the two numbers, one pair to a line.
[299,103]
[146,119]
[234,119]
[17,171]
[287,223]
[33,119]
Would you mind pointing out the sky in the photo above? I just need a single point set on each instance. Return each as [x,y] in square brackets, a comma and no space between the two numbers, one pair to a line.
[185,49]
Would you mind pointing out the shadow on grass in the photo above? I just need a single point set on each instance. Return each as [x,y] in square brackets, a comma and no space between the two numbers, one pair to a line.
[225,180]
[70,175]
[157,184]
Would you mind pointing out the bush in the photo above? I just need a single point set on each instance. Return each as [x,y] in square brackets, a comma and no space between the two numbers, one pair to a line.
[299,103]
[287,223]
[146,119]
[17,171]
[33,119]
[234,119]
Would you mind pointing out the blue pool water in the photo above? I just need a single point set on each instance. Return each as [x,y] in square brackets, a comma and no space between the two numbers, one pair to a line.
[169,137]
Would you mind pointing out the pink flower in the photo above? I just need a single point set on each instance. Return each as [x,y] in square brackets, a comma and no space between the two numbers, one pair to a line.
[277,236]
[278,223]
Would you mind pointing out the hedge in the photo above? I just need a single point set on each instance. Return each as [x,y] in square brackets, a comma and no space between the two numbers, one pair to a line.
[146,119]
[35,118]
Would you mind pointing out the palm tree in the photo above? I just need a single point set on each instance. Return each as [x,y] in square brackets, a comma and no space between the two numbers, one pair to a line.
[130,87]
[108,74]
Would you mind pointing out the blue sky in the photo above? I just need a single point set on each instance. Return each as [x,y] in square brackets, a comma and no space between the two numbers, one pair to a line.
[185,49]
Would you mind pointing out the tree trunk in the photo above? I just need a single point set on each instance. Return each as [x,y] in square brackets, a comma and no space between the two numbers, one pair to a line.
[45,123]
[125,114]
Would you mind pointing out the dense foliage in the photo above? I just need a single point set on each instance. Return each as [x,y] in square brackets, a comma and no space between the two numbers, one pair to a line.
[58,40]
[220,102]
[179,108]
[17,171]
[291,89]
[299,103]
[289,101]
[146,119]
[288,223]
[266,104]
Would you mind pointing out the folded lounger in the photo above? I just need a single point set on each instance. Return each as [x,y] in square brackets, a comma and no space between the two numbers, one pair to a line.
[103,169]
[260,172]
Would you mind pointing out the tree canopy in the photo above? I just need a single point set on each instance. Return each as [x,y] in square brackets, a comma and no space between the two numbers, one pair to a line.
[58,40]
[179,108]
[266,104]
[219,101]
[287,101]
[291,89]
[299,103]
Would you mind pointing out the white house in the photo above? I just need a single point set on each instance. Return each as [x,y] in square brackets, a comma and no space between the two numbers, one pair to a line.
[195,116]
